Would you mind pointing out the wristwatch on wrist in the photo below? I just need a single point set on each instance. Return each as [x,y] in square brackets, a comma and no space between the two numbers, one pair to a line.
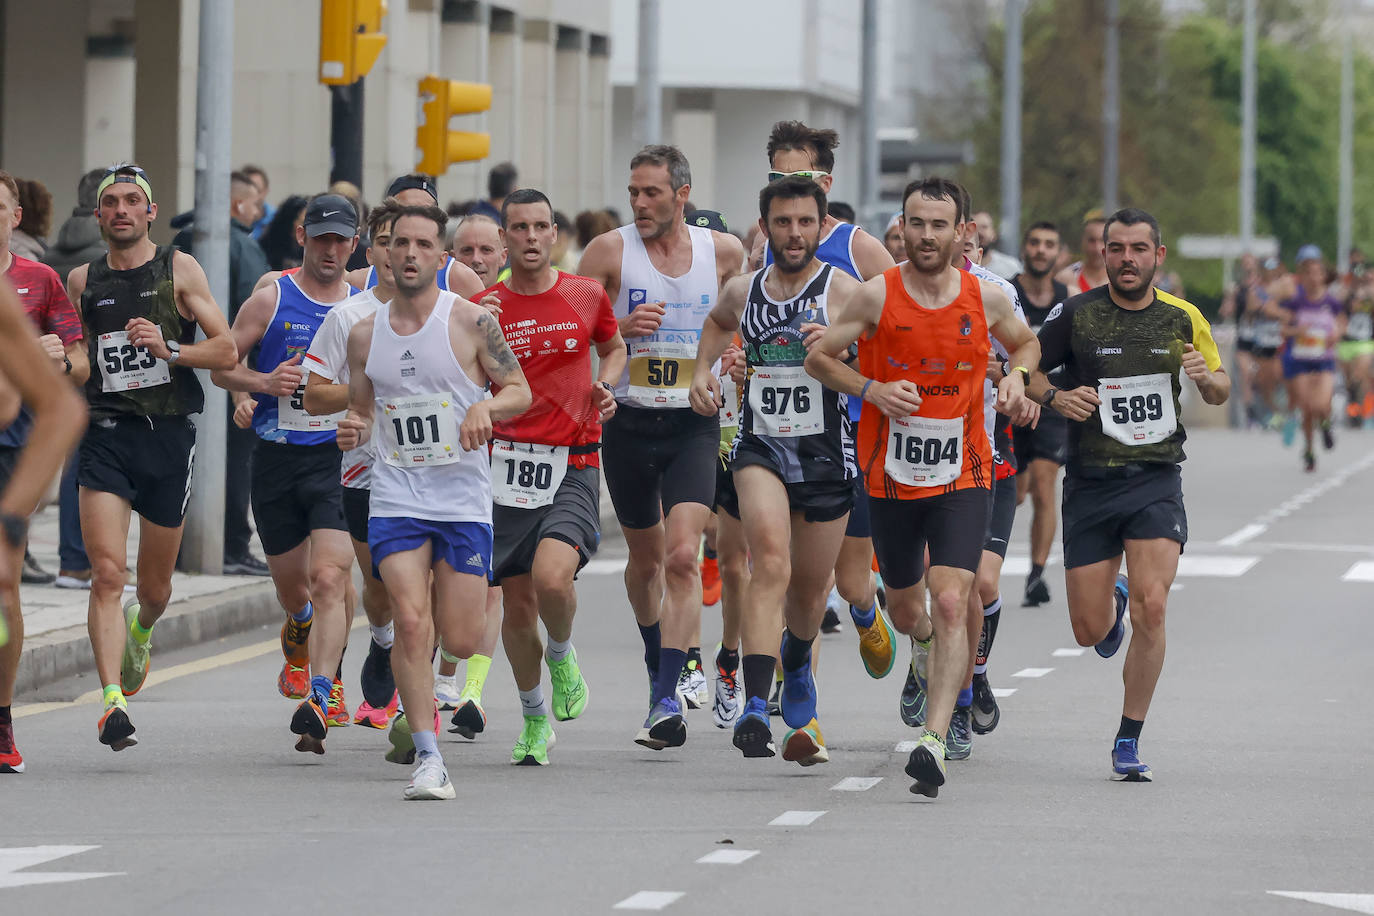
[608,386]
[1047,399]
[15,528]
[1006,368]
[174,352]
[1025,374]
[67,365]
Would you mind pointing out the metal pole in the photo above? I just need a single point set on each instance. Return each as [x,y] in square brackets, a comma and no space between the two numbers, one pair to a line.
[648,83]
[1010,231]
[346,133]
[1247,128]
[1111,106]
[1347,183]
[868,114]
[203,550]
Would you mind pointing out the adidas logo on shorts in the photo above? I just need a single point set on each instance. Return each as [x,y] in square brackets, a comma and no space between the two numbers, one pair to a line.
[476,560]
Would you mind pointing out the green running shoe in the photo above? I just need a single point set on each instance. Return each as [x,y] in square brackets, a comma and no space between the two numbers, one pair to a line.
[926,765]
[532,750]
[133,668]
[402,742]
[569,689]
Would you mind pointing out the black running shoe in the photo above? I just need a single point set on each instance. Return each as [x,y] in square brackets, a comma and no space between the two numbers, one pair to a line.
[830,623]
[115,729]
[246,565]
[33,574]
[986,715]
[1328,438]
[775,701]
[913,701]
[378,681]
[1037,592]
[1309,462]
[959,739]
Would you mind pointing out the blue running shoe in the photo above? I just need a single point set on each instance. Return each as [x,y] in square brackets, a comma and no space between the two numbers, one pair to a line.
[1290,430]
[665,726]
[798,700]
[1112,641]
[914,690]
[753,734]
[1126,765]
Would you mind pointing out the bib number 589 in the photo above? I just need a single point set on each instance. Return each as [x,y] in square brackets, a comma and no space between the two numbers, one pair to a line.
[1137,408]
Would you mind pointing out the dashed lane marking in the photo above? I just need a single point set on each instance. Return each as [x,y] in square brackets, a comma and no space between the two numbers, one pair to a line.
[604,567]
[1069,653]
[1240,536]
[796,819]
[1225,567]
[1033,672]
[1003,692]
[649,900]
[1362,571]
[856,784]
[728,857]
[1357,903]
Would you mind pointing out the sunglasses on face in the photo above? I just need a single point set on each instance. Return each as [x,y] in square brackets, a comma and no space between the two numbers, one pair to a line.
[813,174]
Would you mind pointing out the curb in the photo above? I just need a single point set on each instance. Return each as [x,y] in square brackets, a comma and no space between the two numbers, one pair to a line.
[59,654]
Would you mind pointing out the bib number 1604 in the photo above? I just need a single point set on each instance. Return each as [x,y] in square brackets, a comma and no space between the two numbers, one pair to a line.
[929,452]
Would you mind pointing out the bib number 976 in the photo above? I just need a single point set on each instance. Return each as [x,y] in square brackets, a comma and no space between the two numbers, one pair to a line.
[775,400]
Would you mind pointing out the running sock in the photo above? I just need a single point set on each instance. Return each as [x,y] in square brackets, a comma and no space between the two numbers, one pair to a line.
[114,696]
[694,657]
[758,676]
[965,697]
[1037,570]
[384,637]
[991,614]
[727,660]
[478,668]
[1130,728]
[708,552]
[451,659]
[864,618]
[140,633]
[426,743]
[5,715]
[532,702]
[320,685]
[556,652]
[670,664]
[304,613]
[796,652]
[653,644]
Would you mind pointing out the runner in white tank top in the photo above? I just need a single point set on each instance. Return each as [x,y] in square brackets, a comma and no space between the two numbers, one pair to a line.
[418,372]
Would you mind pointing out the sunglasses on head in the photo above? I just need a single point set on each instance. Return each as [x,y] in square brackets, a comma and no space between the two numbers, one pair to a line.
[813,174]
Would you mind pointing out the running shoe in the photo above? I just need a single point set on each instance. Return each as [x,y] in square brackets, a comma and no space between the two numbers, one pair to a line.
[430,781]
[798,691]
[877,644]
[710,581]
[1112,641]
[10,760]
[569,688]
[1309,461]
[115,728]
[378,682]
[310,723]
[926,765]
[1037,592]
[959,740]
[370,716]
[294,680]
[402,742]
[830,623]
[336,716]
[1290,429]
[753,734]
[692,690]
[805,745]
[133,667]
[725,706]
[469,719]
[986,713]
[33,574]
[914,690]
[246,565]
[1126,765]
[664,727]
[446,691]
[775,701]
[532,750]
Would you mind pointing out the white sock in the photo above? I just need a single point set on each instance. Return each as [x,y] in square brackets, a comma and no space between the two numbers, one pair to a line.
[558,651]
[384,637]
[532,702]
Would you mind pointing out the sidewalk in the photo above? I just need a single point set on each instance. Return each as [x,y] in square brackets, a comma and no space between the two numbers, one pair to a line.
[203,608]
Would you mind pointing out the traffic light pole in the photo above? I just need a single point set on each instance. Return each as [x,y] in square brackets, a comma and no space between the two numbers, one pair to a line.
[346,133]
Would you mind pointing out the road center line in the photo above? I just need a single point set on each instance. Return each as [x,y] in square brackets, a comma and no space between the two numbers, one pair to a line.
[1003,692]
[1033,672]
[649,900]
[795,819]
[1236,538]
[1296,502]
[856,784]
[727,857]
[1069,653]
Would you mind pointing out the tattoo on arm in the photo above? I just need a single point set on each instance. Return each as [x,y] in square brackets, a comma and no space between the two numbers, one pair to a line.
[502,359]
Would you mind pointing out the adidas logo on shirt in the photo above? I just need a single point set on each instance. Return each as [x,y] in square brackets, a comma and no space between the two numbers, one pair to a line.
[407,355]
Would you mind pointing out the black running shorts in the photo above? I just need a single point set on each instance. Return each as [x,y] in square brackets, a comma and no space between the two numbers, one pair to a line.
[656,459]
[859,524]
[295,490]
[727,500]
[816,500]
[1001,517]
[953,524]
[1048,440]
[1101,513]
[144,460]
[356,503]
[574,517]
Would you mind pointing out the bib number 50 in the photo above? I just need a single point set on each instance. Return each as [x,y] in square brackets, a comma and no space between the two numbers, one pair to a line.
[662,373]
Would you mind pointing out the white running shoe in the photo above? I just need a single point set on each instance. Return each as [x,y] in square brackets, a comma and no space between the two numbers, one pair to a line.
[447,692]
[692,687]
[430,780]
[725,708]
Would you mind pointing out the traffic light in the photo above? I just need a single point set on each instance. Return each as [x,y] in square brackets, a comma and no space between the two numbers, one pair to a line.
[350,39]
[438,146]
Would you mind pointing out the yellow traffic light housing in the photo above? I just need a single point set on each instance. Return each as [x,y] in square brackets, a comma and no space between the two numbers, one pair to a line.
[440,100]
[350,39]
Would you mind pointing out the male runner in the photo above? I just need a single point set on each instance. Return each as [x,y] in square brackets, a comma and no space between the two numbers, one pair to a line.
[1089,272]
[478,244]
[1040,449]
[326,393]
[659,455]
[1313,320]
[1121,347]
[416,190]
[140,307]
[421,364]
[545,471]
[296,493]
[793,461]
[922,442]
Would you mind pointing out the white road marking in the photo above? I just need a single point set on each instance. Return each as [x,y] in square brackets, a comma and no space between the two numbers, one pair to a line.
[856,784]
[795,819]
[649,900]
[604,567]
[1296,502]
[905,747]
[1236,538]
[727,857]
[1020,565]
[1069,653]
[1003,692]
[1215,566]
[1362,571]
[12,860]
[1358,903]
[1033,672]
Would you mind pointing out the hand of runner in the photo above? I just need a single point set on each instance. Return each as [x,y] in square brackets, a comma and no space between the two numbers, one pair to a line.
[603,399]
[286,378]
[476,429]
[1195,365]
[814,332]
[52,345]
[243,413]
[492,303]
[994,367]
[705,394]
[143,333]
[1077,403]
[1012,400]
[643,321]
[350,432]
[737,366]
[894,399]
[1029,418]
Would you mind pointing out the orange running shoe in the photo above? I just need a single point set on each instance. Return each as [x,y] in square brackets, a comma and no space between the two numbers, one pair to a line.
[294,680]
[10,759]
[337,714]
[310,724]
[710,581]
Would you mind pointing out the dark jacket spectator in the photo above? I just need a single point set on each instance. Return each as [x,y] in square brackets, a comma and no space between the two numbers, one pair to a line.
[30,239]
[78,240]
[279,241]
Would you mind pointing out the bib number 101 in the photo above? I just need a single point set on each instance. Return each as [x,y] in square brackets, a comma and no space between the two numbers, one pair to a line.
[416,430]
[1137,408]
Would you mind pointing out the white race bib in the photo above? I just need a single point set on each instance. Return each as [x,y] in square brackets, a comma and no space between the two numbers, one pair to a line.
[661,373]
[1138,409]
[785,402]
[419,430]
[924,452]
[1360,326]
[526,476]
[291,413]
[124,367]
[1310,345]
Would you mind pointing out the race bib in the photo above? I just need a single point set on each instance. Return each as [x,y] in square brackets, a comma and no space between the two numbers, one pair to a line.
[1138,409]
[418,431]
[125,367]
[291,414]
[785,402]
[526,476]
[1360,326]
[1268,335]
[1310,345]
[924,452]
[729,395]
[661,373]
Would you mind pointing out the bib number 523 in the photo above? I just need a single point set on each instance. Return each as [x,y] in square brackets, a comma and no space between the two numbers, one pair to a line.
[127,358]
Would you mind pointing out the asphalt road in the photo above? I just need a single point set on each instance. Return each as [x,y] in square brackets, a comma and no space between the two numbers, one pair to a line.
[1259,737]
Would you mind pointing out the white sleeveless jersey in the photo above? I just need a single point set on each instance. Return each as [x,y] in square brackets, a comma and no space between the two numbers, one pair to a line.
[989,389]
[328,355]
[422,394]
[659,371]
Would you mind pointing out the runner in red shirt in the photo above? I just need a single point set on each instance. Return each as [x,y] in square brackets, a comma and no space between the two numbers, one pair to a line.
[545,470]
